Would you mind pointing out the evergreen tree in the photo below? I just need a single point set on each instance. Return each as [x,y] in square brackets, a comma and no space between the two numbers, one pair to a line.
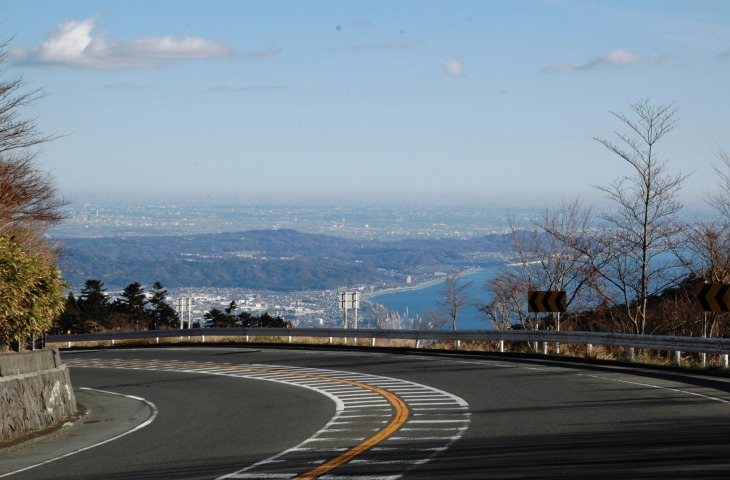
[163,315]
[94,306]
[133,302]
[70,319]
[216,318]
[246,319]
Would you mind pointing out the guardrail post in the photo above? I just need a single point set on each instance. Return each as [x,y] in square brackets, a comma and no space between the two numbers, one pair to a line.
[701,348]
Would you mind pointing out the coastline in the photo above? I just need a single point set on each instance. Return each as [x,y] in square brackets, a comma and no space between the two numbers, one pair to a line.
[370,296]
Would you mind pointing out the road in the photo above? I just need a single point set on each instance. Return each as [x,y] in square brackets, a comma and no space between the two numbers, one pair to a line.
[333,414]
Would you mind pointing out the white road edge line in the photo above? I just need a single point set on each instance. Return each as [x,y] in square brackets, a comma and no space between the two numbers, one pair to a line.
[659,387]
[138,427]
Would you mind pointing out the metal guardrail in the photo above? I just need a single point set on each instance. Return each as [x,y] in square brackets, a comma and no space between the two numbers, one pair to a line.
[719,346]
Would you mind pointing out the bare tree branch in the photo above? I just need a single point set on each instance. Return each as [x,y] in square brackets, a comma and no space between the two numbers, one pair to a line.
[643,223]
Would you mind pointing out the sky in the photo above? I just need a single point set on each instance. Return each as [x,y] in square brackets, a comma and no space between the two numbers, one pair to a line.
[370,100]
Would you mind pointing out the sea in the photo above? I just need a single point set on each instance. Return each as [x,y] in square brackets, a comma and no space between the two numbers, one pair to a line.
[413,305]
[95,217]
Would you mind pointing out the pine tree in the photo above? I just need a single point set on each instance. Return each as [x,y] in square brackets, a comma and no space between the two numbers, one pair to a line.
[163,315]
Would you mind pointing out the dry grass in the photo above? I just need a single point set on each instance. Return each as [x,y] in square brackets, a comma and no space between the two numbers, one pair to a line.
[595,352]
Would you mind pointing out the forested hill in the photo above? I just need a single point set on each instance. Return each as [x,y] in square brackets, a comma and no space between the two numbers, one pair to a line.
[278,260]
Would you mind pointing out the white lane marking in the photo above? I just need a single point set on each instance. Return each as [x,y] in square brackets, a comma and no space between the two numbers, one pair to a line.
[344,409]
[244,472]
[138,427]
[420,461]
[461,420]
[659,387]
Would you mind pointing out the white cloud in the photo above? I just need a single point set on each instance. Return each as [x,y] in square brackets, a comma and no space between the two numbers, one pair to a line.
[72,44]
[454,68]
[618,57]
[614,57]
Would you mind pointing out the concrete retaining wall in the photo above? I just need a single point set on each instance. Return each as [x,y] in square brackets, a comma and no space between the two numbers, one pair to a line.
[35,393]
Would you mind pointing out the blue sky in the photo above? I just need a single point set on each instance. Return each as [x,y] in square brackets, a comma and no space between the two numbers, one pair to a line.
[367,100]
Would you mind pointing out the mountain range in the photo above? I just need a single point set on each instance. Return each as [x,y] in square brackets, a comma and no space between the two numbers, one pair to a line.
[275,260]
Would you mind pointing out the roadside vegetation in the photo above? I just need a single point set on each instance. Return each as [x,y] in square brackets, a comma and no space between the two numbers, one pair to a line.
[31,289]
[136,309]
[632,267]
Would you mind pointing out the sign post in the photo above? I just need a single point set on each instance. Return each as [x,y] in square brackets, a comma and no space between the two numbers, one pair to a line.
[349,301]
[183,306]
[711,297]
[548,301]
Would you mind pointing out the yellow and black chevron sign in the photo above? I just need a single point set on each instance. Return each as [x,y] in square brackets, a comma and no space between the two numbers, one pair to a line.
[712,297]
[546,301]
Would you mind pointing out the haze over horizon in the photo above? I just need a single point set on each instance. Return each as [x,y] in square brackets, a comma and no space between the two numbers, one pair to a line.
[325,100]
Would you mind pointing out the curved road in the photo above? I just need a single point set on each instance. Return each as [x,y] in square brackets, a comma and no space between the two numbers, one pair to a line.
[270,413]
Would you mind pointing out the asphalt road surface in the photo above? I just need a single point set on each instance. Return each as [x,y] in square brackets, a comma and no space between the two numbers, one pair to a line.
[275,413]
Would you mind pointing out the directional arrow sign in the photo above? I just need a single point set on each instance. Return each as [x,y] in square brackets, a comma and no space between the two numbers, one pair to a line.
[546,301]
[712,297]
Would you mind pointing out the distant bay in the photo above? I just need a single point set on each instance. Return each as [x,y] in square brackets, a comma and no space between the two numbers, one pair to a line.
[414,303]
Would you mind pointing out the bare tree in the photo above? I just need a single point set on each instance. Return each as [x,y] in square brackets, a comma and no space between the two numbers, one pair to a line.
[18,133]
[455,298]
[548,256]
[32,290]
[29,201]
[704,248]
[720,200]
[704,251]
[508,304]
[640,228]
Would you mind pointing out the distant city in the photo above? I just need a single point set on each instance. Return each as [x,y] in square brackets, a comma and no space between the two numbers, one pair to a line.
[310,308]
[384,222]
[117,219]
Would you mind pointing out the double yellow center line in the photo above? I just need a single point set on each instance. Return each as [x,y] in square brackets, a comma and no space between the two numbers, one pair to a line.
[399,419]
